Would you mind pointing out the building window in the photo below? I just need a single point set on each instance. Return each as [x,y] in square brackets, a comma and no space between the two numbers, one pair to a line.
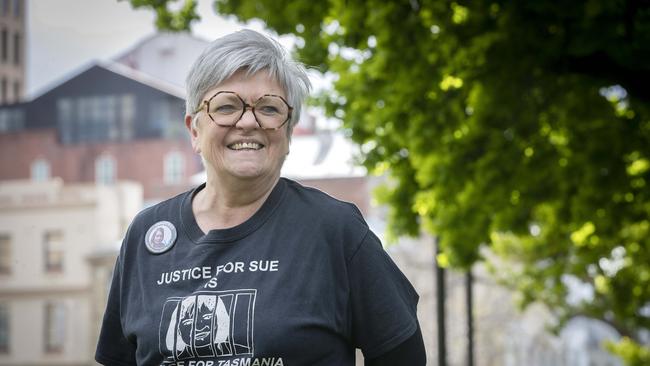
[17,49]
[40,170]
[127,118]
[53,251]
[11,120]
[5,7]
[5,254]
[17,94]
[96,118]
[174,168]
[163,119]
[4,39]
[4,328]
[105,170]
[17,8]
[55,315]
[3,91]
[66,120]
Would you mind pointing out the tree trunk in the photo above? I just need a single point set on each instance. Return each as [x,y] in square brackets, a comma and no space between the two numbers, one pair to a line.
[440,309]
[469,297]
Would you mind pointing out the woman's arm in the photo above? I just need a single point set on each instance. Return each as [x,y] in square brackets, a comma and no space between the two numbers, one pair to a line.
[410,352]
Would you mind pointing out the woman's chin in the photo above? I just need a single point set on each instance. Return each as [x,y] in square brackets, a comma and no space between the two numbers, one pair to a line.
[248,172]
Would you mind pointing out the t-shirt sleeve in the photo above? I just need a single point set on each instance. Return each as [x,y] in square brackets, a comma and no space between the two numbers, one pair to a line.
[113,348]
[383,301]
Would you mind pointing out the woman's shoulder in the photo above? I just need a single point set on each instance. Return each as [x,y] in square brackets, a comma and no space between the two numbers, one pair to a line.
[318,202]
[338,222]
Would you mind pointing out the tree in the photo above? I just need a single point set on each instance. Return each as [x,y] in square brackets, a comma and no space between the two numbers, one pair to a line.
[170,19]
[519,126]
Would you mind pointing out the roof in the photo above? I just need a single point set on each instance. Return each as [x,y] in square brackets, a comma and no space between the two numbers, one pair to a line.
[144,78]
[165,56]
[160,61]
[121,70]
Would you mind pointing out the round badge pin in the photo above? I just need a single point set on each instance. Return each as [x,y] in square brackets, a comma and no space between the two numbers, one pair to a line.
[160,237]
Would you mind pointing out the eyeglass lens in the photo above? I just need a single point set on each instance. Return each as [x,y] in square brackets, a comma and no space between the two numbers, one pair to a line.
[226,108]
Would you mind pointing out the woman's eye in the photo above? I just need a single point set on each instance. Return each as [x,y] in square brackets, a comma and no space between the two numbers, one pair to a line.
[268,110]
[225,109]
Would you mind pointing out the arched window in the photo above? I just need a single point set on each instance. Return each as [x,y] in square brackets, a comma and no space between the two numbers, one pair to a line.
[40,170]
[174,168]
[105,168]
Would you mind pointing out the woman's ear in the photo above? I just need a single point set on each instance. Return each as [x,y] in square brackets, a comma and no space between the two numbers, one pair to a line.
[194,134]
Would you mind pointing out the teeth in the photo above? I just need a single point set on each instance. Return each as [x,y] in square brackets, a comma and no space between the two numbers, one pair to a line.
[245,145]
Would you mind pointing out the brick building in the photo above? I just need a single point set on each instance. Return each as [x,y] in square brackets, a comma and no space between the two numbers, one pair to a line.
[106,123]
[12,51]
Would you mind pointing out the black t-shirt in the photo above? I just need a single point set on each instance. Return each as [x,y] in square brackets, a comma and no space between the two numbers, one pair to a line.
[302,282]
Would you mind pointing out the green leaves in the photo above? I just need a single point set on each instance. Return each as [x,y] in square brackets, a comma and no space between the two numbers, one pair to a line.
[168,19]
[631,352]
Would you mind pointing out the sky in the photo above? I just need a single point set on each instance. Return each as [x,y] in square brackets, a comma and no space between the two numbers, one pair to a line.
[65,36]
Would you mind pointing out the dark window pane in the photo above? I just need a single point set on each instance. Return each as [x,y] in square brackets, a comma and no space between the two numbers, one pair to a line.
[4,328]
[17,41]
[4,39]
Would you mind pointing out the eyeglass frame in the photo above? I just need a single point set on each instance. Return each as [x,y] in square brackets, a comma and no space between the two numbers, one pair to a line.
[246,106]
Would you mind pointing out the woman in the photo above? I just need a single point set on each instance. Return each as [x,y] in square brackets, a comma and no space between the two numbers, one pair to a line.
[157,237]
[255,269]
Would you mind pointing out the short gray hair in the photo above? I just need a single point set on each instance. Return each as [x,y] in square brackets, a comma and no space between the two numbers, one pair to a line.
[250,51]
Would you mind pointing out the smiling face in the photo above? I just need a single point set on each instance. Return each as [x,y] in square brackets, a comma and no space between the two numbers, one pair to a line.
[244,151]
[158,236]
[205,309]
[186,321]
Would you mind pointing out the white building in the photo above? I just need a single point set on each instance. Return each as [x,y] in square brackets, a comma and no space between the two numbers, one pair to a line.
[51,295]
[164,56]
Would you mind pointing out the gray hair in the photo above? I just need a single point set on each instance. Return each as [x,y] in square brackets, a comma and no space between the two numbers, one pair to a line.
[251,51]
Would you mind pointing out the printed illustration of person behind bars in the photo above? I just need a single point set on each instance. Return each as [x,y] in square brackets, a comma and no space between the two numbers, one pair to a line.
[205,325]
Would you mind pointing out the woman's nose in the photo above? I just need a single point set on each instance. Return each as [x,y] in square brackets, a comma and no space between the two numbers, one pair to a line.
[248,120]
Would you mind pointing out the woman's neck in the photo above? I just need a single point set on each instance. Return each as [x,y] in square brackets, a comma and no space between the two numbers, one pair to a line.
[226,203]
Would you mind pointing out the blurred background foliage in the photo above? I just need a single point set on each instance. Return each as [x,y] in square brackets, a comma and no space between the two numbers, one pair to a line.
[522,127]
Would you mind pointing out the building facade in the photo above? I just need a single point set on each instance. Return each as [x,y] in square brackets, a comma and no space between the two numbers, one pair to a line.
[106,123]
[12,51]
[52,238]
[165,56]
